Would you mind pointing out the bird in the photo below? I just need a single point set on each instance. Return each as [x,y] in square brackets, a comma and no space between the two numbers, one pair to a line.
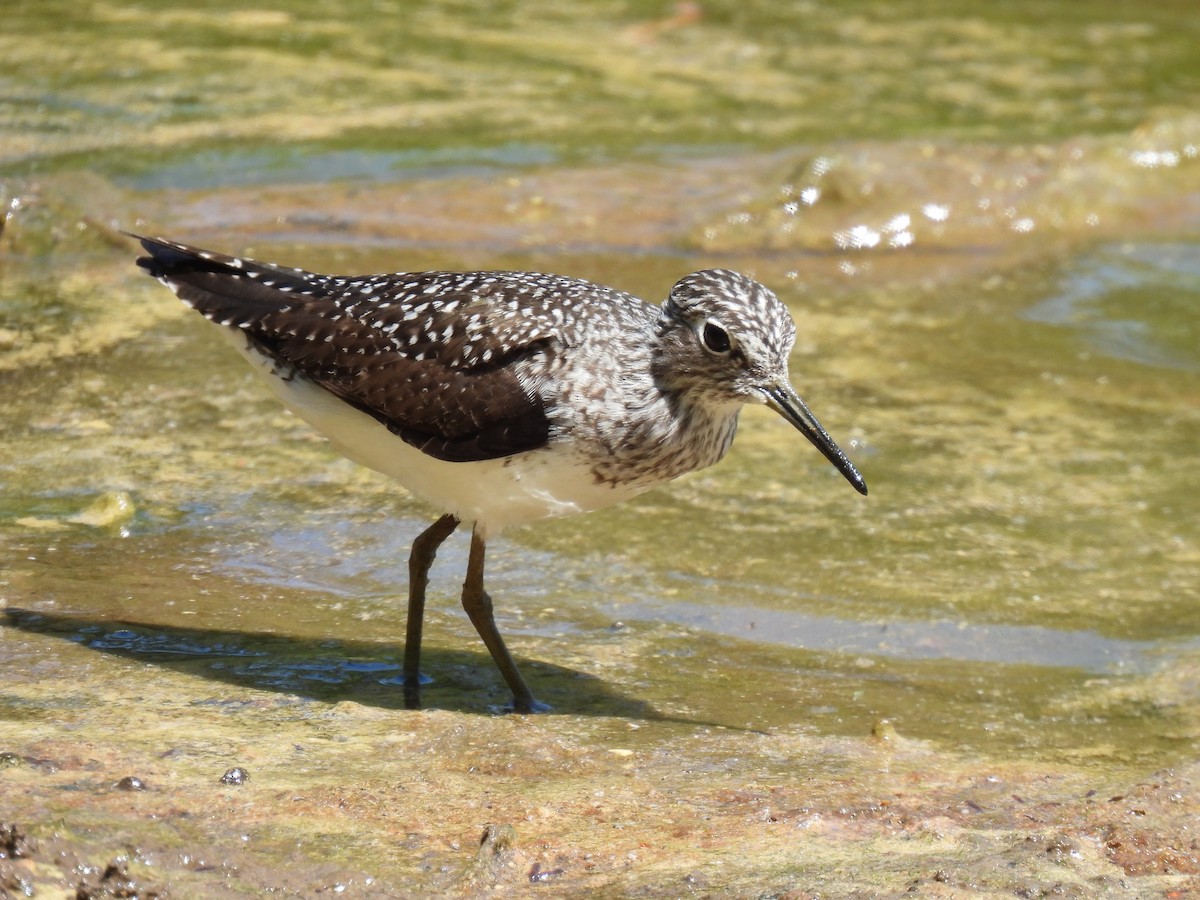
[503,397]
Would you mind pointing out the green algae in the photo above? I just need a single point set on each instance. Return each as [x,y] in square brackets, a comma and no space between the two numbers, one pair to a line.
[980,678]
[609,78]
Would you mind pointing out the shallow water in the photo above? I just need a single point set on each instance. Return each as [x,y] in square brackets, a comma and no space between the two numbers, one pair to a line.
[987,227]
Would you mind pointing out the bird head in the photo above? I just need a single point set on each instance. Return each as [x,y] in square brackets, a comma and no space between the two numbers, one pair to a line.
[724,340]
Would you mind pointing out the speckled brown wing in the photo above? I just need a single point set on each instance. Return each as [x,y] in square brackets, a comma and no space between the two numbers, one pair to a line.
[430,355]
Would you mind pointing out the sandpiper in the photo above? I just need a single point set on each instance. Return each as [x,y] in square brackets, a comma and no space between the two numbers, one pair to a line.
[503,397]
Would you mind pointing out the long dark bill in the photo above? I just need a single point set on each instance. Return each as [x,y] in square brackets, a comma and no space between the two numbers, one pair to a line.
[785,401]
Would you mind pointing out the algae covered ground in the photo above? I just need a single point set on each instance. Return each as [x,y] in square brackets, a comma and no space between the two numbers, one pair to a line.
[979,680]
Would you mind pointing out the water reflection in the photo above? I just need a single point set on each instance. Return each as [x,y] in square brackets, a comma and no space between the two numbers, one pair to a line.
[1136,302]
[365,561]
[290,165]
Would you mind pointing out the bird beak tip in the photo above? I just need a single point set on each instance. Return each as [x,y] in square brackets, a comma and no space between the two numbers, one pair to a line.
[785,401]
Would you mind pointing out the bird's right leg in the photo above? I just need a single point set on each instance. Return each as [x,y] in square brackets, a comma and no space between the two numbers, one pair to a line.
[424,549]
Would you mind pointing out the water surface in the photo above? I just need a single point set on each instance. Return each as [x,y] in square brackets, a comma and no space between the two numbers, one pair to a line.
[985,221]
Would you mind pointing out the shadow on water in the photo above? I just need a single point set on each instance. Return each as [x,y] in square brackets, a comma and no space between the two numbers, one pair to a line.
[331,671]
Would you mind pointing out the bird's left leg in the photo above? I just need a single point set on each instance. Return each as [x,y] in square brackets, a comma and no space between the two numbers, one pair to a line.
[478,605]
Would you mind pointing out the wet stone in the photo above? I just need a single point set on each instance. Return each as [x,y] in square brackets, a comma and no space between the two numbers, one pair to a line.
[10,760]
[496,846]
[131,783]
[14,843]
[538,875]
[236,776]
[884,731]
[116,881]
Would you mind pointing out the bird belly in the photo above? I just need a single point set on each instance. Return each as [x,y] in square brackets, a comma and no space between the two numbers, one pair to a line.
[494,494]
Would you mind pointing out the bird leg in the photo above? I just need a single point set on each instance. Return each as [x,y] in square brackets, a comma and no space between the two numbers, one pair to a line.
[478,605]
[424,549]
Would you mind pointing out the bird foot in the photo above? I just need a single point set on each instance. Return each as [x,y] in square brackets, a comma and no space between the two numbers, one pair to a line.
[525,707]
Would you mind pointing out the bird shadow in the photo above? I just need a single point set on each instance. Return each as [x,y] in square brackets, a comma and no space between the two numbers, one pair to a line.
[366,672]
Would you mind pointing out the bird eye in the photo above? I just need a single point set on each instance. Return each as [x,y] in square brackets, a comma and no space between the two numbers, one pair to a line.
[715,338]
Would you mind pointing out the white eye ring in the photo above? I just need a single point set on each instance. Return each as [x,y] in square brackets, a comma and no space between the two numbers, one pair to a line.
[715,338]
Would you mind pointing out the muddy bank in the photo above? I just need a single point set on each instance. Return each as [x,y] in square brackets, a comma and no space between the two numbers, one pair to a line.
[367,800]
[981,679]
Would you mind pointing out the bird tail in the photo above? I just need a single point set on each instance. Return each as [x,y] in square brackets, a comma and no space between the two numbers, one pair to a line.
[228,290]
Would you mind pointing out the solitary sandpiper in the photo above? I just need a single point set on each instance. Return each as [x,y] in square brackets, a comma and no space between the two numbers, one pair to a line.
[503,397]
